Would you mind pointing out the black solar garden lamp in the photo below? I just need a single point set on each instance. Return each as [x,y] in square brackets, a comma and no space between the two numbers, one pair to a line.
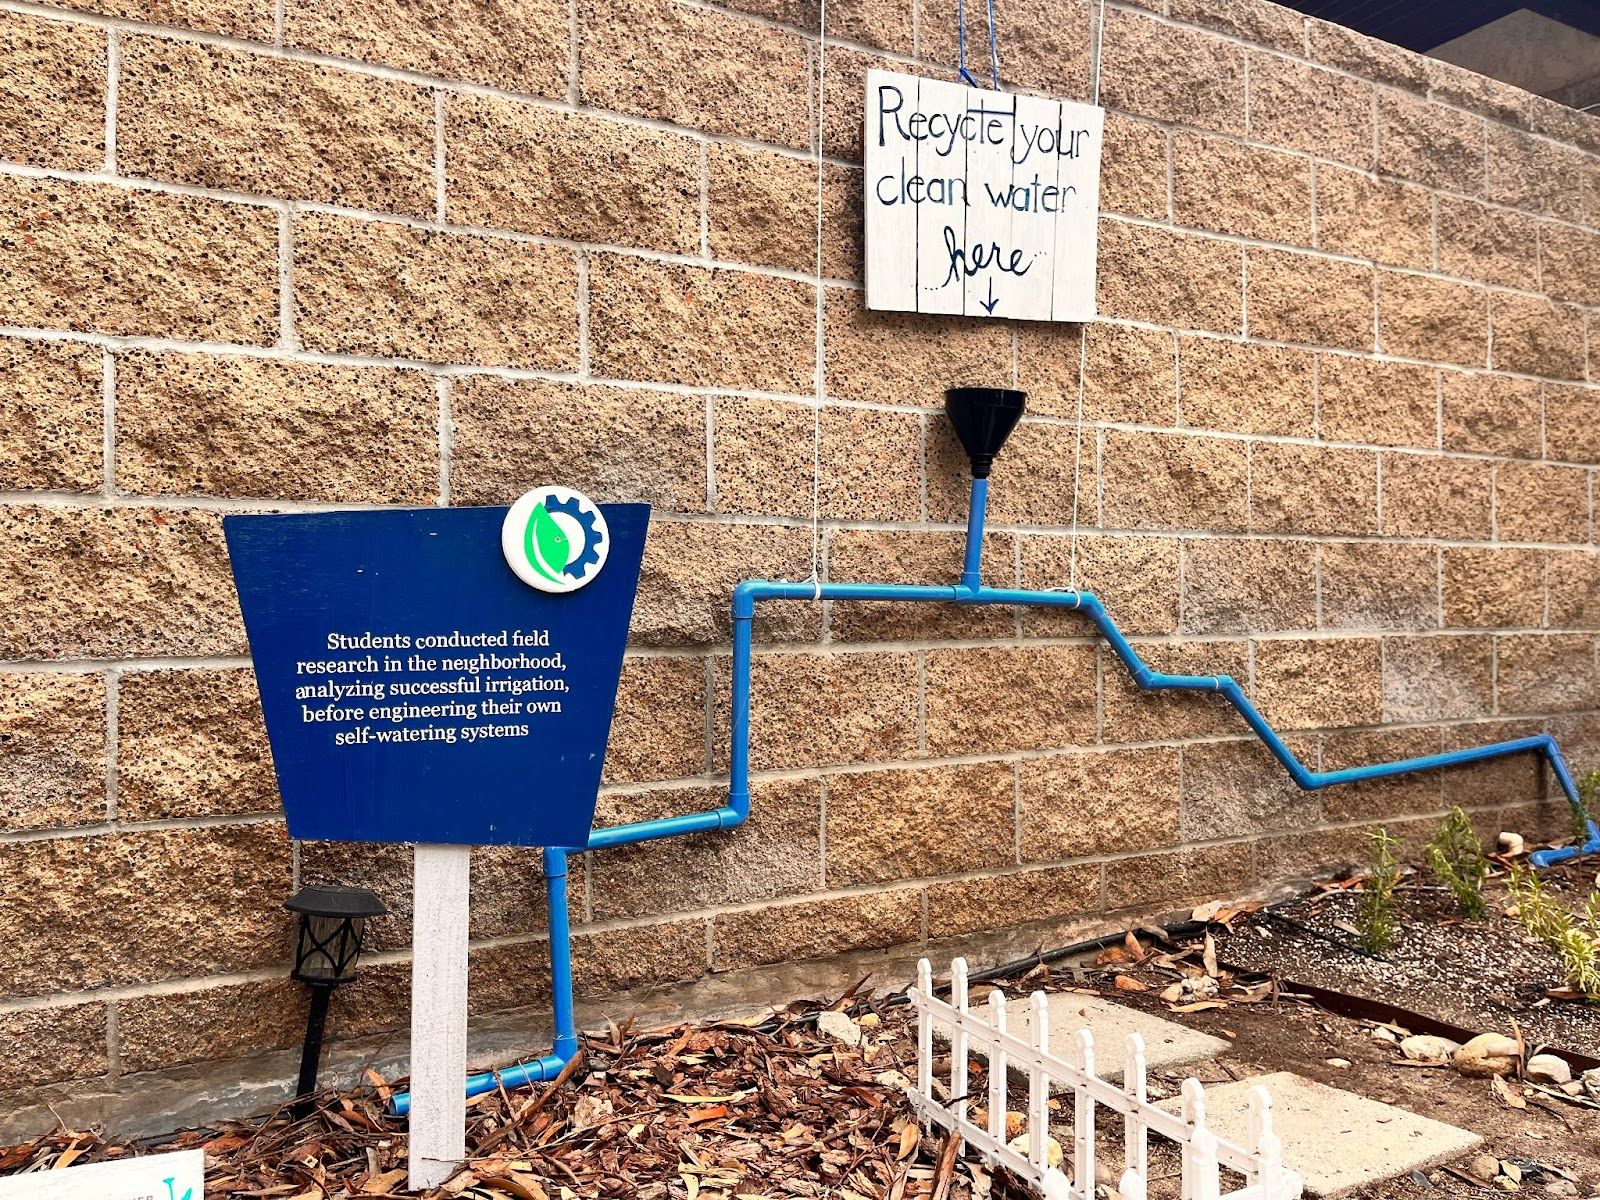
[333,924]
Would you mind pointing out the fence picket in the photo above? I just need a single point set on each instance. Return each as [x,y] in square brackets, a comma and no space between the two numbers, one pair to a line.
[1083,1117]
[925,1030]
[958,1042]
[1194,1116]
[1206,1178]
[997,1068]
[1039,1083]
[1134,1184]
[1203,1154]
[1266,1146]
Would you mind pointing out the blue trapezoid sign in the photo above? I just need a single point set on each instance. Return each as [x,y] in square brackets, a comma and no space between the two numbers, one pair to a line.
[440,674]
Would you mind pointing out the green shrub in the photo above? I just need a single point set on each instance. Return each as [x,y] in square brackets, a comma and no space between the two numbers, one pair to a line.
[1378,924]
[1456,860]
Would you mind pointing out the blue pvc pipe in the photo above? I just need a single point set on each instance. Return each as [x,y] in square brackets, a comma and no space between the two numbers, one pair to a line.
[969,591]
[562,1015]
[977,510]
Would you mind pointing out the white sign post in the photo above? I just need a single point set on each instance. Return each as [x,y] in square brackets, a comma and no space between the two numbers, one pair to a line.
[441,884]
[980,203]
[179,1176]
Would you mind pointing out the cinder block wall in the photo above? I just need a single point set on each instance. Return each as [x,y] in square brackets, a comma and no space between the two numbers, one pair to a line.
[1340,442]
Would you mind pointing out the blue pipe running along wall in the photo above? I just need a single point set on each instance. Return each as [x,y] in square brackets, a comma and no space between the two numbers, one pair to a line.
[969,591]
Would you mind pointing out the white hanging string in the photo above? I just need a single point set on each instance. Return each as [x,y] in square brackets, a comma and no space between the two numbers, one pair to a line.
[821,372]
[1099,43]
[1077,455]
[1099,39]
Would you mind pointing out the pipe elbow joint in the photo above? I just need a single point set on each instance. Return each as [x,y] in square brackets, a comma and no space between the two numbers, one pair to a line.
[737,811]
[745,594]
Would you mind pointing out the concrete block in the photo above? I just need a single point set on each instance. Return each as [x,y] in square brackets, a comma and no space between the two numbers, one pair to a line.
[1335,1140]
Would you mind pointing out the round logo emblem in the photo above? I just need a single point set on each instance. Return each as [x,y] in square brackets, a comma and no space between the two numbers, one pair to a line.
[555,539]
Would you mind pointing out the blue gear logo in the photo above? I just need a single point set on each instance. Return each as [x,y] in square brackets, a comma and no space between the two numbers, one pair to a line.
[555,539]
[588,521]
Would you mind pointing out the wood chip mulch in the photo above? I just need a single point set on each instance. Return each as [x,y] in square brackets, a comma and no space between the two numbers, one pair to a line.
[767,1108]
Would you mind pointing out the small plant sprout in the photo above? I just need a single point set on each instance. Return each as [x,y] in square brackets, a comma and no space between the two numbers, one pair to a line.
[1537,912]
[1587,808]
[1378,925]
[1575,940]
[1456,860]
[1580,959]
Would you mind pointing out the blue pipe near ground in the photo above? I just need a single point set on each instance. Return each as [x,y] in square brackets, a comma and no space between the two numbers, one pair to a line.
[969,591]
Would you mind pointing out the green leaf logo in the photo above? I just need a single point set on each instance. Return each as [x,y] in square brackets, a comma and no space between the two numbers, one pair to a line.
[546,546]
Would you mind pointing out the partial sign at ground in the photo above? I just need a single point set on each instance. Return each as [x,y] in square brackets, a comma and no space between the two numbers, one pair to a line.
[980,203]
[178,1176]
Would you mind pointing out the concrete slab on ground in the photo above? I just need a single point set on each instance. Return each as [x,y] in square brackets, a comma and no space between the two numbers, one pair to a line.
[1166,1043]
[1336,1140]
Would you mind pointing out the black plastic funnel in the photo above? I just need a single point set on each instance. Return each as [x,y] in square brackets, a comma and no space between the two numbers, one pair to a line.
[983,418]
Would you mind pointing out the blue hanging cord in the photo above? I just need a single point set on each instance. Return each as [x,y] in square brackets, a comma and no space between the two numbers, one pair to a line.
[961,47]
[961,44]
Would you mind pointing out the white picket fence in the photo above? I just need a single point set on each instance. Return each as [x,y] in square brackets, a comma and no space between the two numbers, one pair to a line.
[1204,1155]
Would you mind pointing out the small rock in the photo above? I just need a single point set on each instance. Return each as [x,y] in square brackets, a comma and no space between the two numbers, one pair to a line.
[1572,1087]
[1052,1149]
[1485,1167]
[839,1027]
[1486,1054]
[1561,1187]
[1591,1082]
[1382,1033]
[1428,1048]
[1190,989]
[1511,844]
[1342,1063]
[895,1080]
[1547,1068]
[870,1021]
[1015,1124]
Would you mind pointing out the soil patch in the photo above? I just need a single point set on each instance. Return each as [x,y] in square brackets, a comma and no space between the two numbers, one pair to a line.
[1479,975]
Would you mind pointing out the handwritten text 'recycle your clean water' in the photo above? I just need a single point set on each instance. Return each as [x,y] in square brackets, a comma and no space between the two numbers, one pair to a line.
[979,203]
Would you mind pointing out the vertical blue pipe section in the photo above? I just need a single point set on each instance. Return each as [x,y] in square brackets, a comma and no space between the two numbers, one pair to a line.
[561,1013]
[977,510]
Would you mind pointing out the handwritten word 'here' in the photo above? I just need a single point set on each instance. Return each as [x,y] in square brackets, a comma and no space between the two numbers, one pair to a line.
[982,126]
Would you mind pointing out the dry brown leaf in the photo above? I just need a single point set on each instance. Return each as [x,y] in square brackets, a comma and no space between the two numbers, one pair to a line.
[1509,1098]
[1127,983]
[909,1137]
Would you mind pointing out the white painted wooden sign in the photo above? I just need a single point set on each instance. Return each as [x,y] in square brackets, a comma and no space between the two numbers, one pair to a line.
[980,203]
[179,1176]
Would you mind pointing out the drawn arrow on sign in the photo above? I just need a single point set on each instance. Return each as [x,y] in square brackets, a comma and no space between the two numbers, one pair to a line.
[988,305]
